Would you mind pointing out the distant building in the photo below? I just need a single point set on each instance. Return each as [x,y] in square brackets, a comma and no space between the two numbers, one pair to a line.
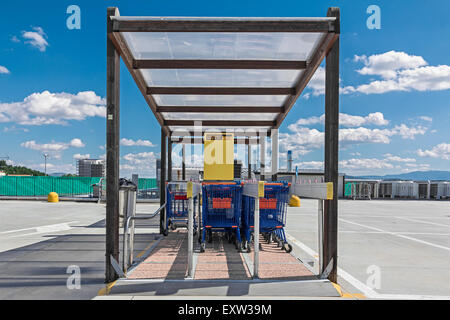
[91,168]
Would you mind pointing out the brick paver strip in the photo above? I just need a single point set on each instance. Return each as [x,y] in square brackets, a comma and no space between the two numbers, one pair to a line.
[219,261]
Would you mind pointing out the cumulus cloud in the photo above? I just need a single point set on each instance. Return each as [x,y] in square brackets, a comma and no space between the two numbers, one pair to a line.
[441,151]
[36,38]
[347,120]
[4,70]
[143,163]
[426,118]
[359,164]
[53,146]
[53,108]
[303,140]
[400,72]
[131,143]
[393,158]
[79,156]
[388,64]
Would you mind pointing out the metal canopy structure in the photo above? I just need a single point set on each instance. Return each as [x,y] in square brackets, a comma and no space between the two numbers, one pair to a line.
[242,74]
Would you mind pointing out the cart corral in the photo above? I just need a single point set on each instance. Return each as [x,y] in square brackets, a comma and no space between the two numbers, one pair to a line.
[201,93]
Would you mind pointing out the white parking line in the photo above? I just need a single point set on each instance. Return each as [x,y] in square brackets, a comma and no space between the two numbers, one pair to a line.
[397,235]
[42,229]
[426,222]
[366,290]
[399,232]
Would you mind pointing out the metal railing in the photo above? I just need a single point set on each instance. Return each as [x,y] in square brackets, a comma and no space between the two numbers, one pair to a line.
[128,244]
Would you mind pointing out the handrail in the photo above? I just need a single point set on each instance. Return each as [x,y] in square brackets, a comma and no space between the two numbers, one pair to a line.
[128,258]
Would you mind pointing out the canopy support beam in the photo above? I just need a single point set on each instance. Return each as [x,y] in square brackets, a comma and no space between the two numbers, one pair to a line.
[112,150]
[330,219]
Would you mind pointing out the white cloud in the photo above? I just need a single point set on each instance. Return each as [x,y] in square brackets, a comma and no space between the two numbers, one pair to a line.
[360,164]
[441,151]
[303,140]
[400,72]
[388,64]
[131,142]
[143,163]
[426,118]
[347,120]
[36,38]
[79,156]
[53,146]
[53,108]
[409,132]
[317,82]
[4,70]
[393,158]
[309,165]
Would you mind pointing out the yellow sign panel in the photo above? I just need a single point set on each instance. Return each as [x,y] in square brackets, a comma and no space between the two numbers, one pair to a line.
[218,156]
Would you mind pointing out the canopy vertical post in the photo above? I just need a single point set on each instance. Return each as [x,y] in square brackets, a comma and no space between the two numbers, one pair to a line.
[249,159]
[274,139]
[112,149]
[183,162]
[169,159]
[162,179]
[262,156]
[330,222]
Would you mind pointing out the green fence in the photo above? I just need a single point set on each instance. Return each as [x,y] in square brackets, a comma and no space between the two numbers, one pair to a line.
[42,186]
[145,183]
[348,189]
[64,186]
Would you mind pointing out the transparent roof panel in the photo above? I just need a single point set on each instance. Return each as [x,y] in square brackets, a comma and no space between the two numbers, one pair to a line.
[218,116]
[219,100]
[183,129]
[210,45]
[220,77]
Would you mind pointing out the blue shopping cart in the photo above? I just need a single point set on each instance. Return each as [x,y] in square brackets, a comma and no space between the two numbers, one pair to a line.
[177,206]
[221,211]
[272,215]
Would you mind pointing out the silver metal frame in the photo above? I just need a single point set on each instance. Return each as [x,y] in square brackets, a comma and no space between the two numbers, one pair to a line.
[128,257]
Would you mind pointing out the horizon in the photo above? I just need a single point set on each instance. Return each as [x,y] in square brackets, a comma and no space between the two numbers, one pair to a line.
[61,110]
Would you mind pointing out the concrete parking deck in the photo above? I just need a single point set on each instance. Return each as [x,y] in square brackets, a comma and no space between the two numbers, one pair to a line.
[409,241]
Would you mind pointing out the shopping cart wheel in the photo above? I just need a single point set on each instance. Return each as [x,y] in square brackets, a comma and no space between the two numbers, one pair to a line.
[279,243]
[239,246]
[202,247]
[287,247]
[173,227]
[166,233]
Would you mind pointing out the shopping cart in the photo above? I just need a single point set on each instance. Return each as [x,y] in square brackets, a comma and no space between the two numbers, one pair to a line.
[221,211]
[272,215]
[177,206]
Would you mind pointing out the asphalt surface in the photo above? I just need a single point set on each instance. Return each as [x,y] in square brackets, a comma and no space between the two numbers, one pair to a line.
[387,249]
[44,246]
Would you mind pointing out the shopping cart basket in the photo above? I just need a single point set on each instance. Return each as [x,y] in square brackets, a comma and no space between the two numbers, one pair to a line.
[272,215]
[177,206]
[221,211]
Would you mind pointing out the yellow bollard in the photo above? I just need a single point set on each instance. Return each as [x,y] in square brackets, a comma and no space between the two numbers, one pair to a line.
[294,202]
[52,197]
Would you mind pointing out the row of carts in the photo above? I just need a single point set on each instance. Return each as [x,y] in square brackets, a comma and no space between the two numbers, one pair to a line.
[225,209]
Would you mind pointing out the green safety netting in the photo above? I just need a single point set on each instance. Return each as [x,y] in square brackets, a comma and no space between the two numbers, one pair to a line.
[64,186]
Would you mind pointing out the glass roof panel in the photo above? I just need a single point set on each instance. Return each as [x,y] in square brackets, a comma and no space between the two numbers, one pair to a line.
[219,100]
[218,116]
[211,45]
[183,129]
[220,78]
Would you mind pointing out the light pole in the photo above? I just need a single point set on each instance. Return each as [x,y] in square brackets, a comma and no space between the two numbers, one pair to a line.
[45,163]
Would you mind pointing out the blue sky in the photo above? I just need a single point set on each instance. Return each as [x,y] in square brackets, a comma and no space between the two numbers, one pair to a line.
[394,97]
